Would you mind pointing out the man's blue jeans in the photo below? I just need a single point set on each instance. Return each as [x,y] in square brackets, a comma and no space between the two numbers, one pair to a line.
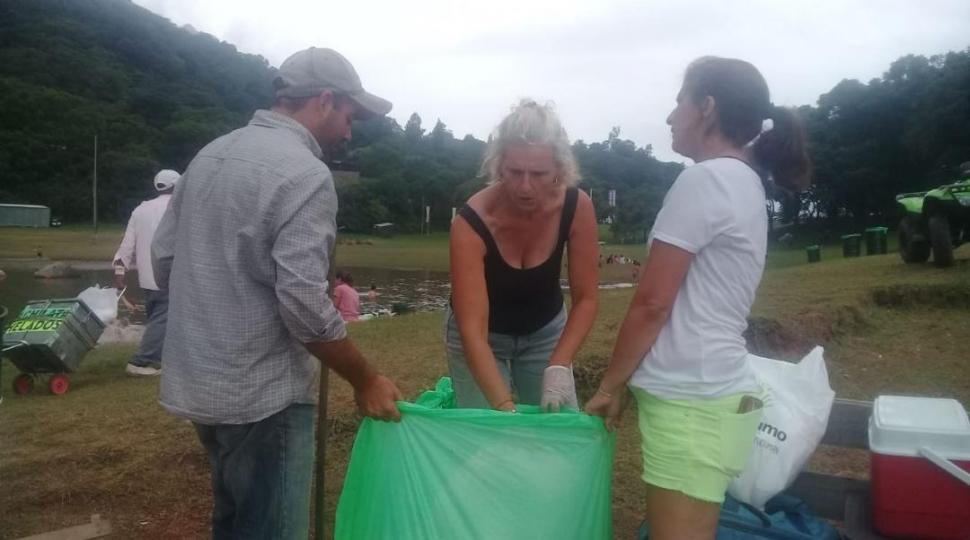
[156,308]
[261,474]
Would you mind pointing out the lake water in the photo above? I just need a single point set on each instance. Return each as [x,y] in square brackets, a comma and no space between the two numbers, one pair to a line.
[423,290]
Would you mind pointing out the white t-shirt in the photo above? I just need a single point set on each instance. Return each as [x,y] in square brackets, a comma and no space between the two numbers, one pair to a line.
[136,246]
[715,210]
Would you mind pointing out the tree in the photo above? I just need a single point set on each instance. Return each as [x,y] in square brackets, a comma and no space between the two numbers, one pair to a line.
[412,129]
[70,70]
[441,135]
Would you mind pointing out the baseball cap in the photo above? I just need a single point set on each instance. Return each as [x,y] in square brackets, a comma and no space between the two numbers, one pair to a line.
[166,179]
[311,71]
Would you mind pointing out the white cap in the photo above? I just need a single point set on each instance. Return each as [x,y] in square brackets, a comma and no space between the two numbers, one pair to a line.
[166,179]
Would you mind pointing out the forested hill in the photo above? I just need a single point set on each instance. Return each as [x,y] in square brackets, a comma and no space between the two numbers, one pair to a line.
[154,94]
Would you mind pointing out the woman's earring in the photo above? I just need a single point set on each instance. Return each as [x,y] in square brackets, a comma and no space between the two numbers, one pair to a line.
[555,180]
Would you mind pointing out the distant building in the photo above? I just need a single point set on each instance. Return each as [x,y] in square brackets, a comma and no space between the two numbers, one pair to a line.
[385,229]
[24,215]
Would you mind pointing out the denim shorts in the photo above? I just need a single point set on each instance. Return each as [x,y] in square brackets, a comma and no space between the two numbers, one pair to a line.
[695,446]
[521,361]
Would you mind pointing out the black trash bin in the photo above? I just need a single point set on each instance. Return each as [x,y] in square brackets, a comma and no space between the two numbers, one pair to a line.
[851,245]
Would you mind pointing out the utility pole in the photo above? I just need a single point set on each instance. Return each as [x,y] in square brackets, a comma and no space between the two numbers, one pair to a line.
[94,185]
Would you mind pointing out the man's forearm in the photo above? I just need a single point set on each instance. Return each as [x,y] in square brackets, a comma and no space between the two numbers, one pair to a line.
[343,357]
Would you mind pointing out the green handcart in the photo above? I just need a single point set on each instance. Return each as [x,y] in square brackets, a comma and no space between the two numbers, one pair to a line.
[48,340]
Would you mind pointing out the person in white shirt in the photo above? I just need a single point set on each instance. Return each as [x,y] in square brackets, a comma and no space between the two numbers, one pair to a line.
[135,252]
[680,348]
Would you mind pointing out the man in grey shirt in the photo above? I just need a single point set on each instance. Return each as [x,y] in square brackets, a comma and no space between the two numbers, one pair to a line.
[244,250]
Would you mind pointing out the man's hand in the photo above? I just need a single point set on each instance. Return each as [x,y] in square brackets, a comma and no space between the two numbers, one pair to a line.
[376,398]
[119,277]
[374,393]
[558,389]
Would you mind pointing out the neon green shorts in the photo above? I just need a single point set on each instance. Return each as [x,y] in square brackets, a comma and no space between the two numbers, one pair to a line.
[694,446]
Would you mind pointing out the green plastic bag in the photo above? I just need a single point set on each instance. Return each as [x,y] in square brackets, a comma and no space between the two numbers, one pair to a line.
[447,473]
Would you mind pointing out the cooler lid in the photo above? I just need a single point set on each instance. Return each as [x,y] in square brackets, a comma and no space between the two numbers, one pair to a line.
[901,425]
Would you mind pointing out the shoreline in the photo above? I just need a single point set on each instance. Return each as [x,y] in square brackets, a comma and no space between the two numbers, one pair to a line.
[88,265]
[36,264]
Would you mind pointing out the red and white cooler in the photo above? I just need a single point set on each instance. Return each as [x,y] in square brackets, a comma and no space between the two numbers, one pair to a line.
[920,473]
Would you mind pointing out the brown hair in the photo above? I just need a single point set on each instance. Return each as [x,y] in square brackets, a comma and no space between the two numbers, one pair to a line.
[742,103]
[295,104]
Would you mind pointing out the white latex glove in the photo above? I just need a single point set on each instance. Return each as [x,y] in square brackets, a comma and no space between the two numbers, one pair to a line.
[558,389]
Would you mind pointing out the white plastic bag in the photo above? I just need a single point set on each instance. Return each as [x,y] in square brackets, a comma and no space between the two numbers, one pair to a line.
[103,302]
[796,413]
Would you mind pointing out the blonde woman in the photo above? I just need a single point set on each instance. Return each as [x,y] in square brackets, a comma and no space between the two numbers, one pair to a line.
[509,336]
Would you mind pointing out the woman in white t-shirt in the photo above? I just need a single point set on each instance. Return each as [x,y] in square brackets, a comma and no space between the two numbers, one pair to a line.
[680,348]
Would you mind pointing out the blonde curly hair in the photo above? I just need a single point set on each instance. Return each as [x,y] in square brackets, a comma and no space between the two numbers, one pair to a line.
[531,123]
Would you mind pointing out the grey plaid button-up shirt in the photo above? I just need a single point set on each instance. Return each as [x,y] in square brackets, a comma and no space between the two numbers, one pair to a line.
[243,249]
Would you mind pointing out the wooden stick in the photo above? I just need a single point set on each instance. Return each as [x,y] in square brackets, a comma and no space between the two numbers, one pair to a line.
[319,500]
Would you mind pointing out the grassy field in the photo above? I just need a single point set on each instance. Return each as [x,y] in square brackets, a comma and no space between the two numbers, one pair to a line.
[106,447]
[72,242]
[406,251]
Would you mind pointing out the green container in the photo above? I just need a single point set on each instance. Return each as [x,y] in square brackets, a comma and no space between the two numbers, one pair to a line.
[51,336]
[851,245]
[876,240]
[814,253]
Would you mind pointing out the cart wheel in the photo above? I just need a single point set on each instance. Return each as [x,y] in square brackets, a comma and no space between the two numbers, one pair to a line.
[59,384]
[23,384]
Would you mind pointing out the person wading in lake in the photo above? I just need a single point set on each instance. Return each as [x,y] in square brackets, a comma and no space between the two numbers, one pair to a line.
[244,251]
[345,298]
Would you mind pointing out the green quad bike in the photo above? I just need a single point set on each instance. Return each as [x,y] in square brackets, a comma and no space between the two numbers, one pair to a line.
[937,220]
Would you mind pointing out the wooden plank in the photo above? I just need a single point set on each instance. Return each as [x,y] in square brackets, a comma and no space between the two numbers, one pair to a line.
[858,518]
[323,428]
[848,424]
[826,494]
[96,529]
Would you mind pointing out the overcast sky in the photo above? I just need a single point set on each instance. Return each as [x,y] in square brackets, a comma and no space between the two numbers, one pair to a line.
[603,63]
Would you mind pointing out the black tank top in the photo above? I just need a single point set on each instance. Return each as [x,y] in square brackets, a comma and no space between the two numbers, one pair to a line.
[522,300]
